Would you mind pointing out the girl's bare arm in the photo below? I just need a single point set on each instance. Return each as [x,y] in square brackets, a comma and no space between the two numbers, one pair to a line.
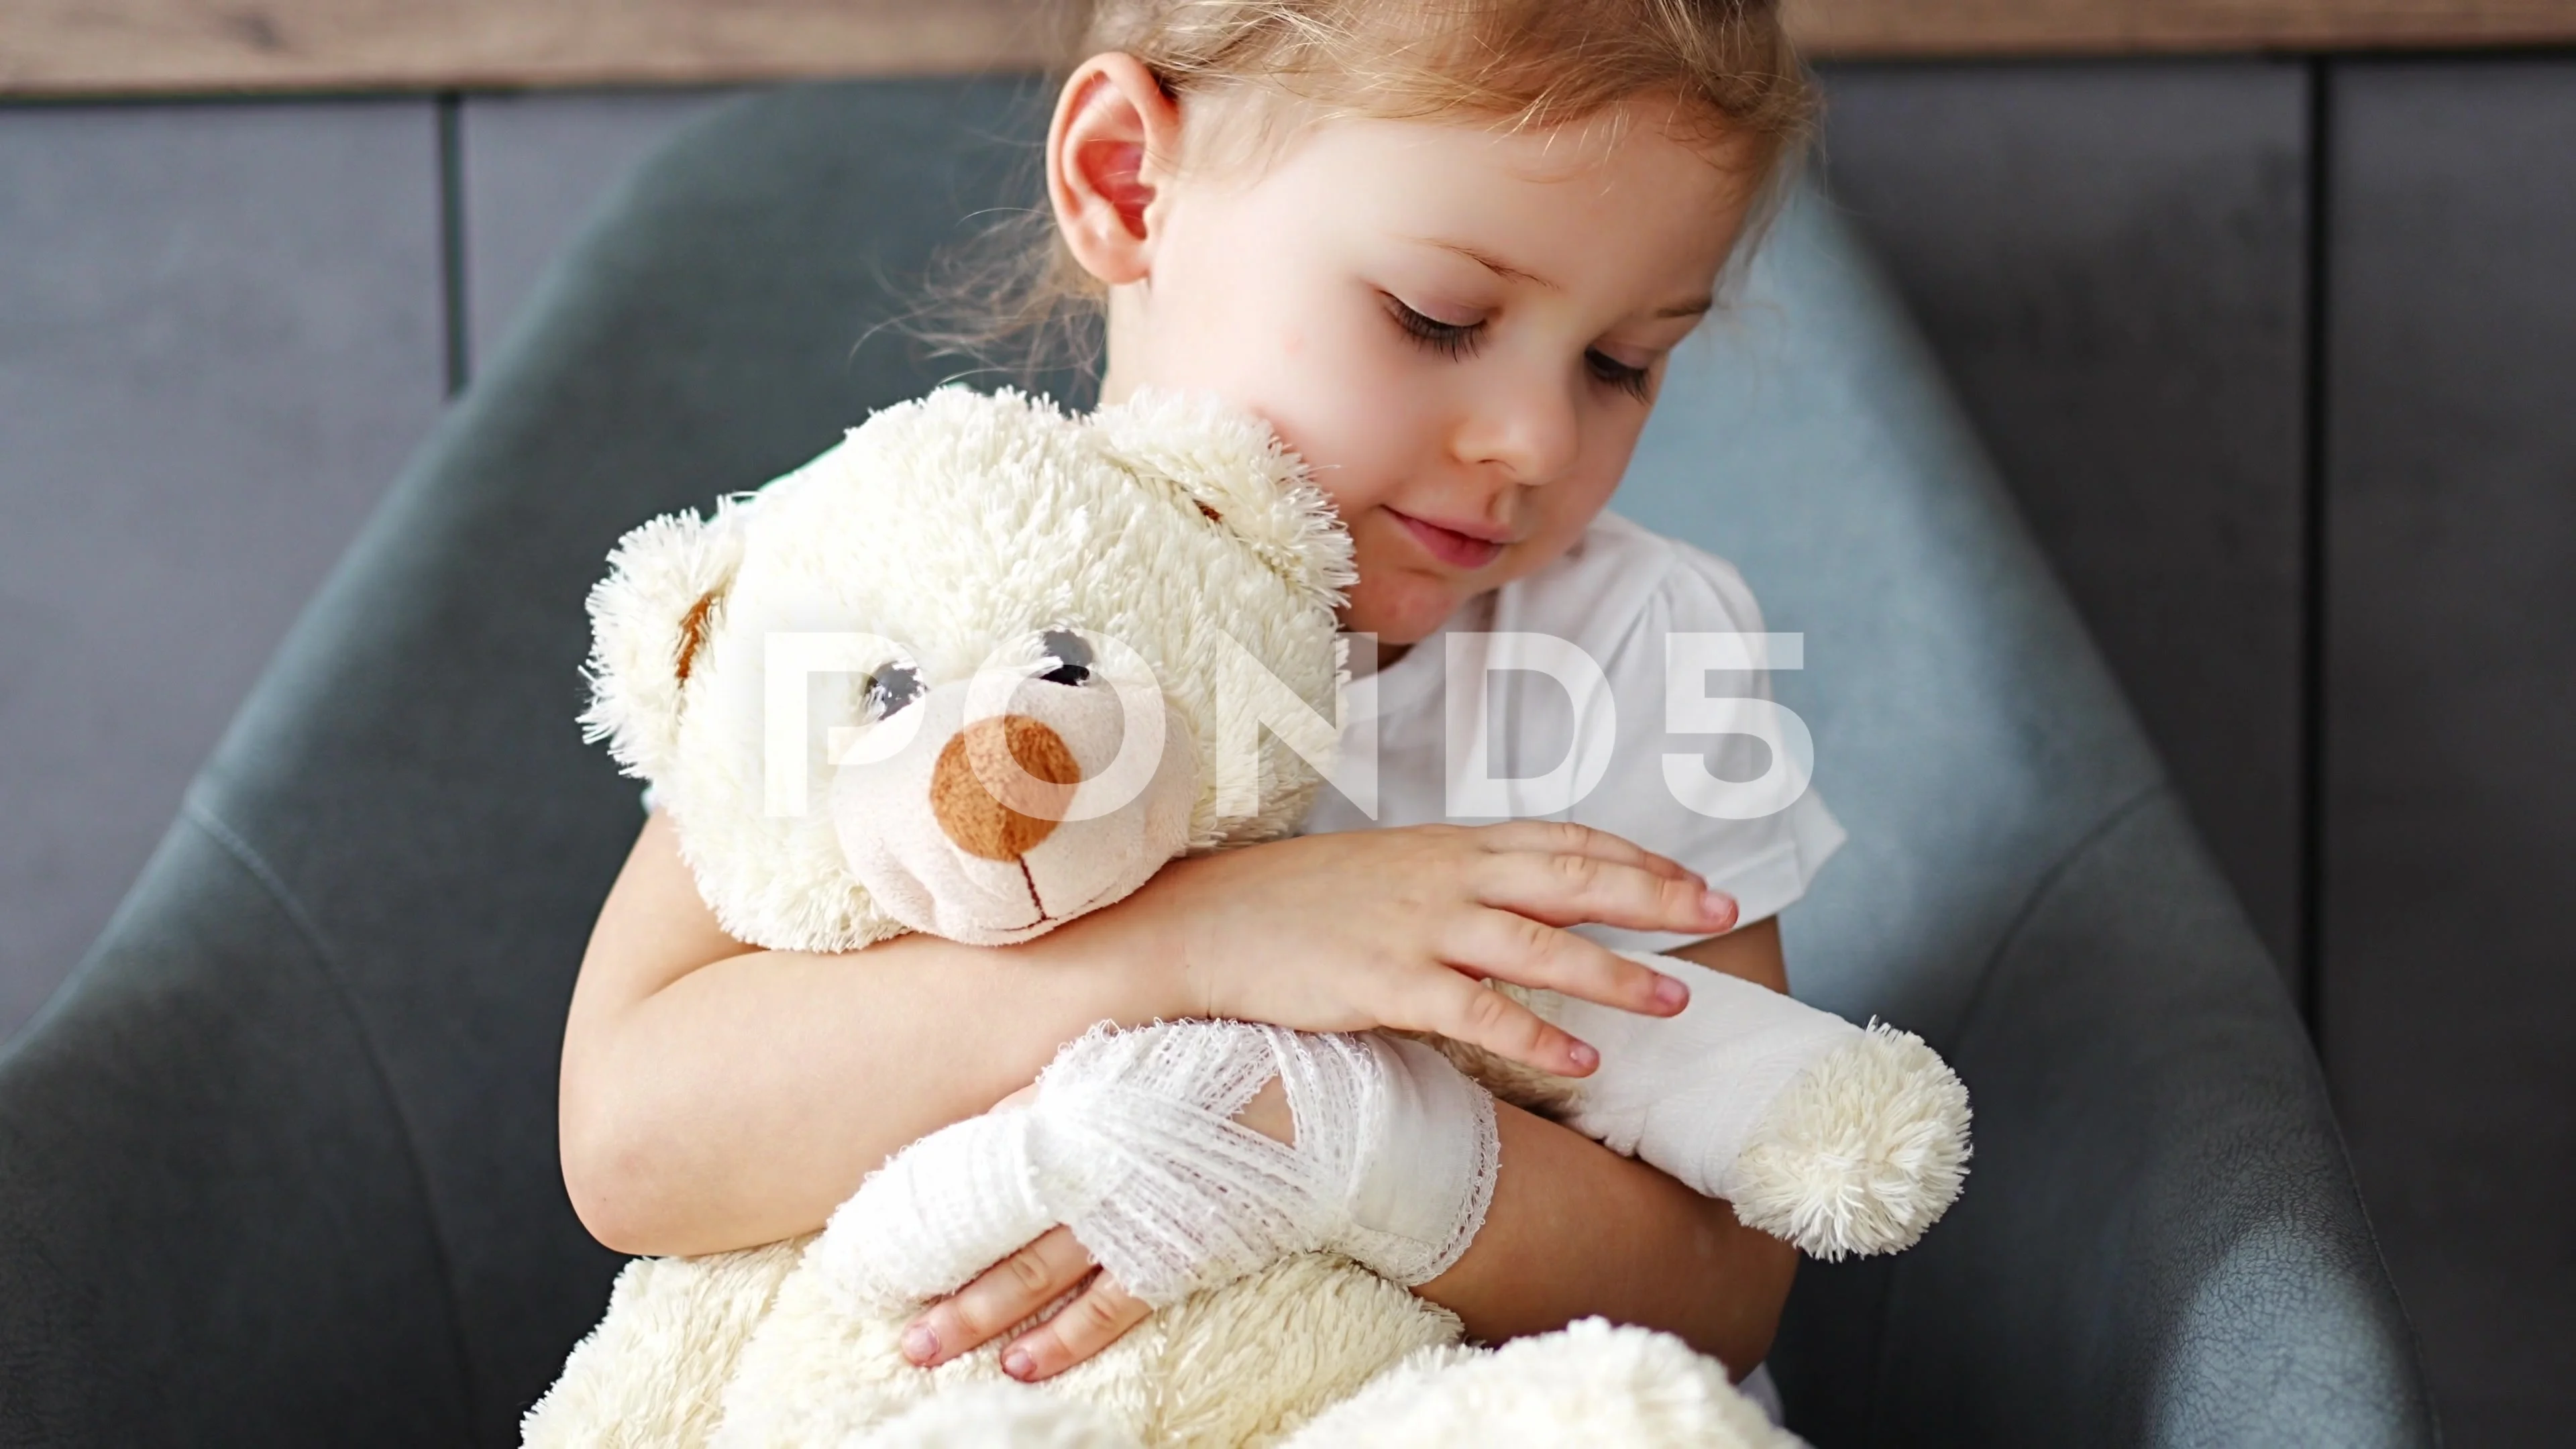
[716,1097]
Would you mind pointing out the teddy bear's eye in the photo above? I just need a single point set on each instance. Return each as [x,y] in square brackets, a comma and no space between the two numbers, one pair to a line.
[891,688]
[1071,655]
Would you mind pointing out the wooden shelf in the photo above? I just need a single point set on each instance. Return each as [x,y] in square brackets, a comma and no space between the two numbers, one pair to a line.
[145,47]
[1922,28]
[90,47]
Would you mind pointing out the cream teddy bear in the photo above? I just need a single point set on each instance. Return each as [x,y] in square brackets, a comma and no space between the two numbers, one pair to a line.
[984,667]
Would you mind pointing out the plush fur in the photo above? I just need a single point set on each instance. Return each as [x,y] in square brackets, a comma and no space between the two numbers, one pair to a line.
[1863,1154]
[1313,1353]
[1590,1383]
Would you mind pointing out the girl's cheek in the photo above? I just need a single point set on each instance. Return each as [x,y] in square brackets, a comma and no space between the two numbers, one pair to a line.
[1347,422]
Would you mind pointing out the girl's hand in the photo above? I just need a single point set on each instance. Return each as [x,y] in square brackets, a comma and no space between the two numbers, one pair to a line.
[1019,1285]
[1398,928]
[1016,1287]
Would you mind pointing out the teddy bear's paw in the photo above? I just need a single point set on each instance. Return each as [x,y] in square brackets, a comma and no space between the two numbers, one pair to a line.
[1588,1383]
[938,1213]
[1863,1154]
[1000,1416]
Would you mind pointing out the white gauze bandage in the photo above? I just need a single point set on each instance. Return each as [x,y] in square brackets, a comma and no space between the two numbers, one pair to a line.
[1131,1143]
[1686,1093]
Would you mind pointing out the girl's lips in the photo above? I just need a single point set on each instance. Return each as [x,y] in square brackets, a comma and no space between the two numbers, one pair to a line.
[1458,550]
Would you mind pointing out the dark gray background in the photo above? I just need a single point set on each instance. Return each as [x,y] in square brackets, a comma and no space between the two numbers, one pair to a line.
[2314,486]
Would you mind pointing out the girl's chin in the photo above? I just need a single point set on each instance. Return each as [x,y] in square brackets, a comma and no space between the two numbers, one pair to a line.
[1399,616]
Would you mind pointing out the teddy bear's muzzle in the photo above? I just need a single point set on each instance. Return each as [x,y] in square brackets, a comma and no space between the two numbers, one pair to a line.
[997,828]
[1026,758]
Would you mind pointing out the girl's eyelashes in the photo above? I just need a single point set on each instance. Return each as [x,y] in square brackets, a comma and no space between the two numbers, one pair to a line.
[1607,369]
[1449,339]
[1459,339]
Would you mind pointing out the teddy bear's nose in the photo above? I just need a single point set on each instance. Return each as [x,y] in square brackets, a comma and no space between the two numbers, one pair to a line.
[1042,778]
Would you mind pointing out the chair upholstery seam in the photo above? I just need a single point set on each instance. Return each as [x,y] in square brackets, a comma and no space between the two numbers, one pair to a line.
[2040,891]
[233,844]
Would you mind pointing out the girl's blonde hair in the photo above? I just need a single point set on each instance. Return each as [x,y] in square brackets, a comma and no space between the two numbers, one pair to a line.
[1727,64]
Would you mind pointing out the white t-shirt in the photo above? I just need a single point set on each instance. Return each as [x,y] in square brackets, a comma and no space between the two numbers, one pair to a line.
[1616,597]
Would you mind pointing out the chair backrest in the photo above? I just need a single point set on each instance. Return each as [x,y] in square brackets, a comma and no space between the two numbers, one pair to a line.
[2160,1241]
[279,1164]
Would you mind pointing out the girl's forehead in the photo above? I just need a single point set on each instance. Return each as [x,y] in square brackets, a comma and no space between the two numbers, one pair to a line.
[1247,134]
[1637,189]
[1625,154]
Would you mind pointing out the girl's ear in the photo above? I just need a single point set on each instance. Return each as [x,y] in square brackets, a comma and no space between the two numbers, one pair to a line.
[1109,152]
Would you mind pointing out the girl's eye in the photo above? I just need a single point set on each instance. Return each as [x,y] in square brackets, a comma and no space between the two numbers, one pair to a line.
[1449,339]
[890,689]
[1072,657]
[1607,369]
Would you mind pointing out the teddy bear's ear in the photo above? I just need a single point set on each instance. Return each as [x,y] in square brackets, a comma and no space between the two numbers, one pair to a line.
[1242,478]
[650,620]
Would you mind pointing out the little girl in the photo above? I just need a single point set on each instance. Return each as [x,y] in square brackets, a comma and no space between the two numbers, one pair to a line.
[1444,247]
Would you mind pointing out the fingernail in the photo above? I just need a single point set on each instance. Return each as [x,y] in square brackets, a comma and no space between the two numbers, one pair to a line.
[1584,1057]
[1018,1364]
[1671,995]
[920,1344]
[1719,905]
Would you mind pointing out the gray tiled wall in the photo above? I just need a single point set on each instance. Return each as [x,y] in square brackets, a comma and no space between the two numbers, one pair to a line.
[2449,1005]
[221,328]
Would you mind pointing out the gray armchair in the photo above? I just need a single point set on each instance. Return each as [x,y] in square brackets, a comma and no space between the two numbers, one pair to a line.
[278,1166]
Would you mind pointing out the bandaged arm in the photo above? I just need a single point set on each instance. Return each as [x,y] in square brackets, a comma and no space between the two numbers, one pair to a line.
[1130,1142]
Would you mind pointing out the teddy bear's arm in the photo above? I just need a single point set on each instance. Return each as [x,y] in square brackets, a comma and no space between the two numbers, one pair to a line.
[1837,1139]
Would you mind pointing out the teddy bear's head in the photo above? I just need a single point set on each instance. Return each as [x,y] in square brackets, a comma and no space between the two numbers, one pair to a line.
[979,669]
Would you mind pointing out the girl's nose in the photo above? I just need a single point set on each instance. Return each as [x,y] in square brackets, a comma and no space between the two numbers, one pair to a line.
[1526,427]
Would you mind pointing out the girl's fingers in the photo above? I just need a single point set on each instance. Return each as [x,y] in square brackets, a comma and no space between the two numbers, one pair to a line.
[1002,1295]
[1511,947]
[1447,1002]
[1087,1325]
[1564,837]
[1567,889]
